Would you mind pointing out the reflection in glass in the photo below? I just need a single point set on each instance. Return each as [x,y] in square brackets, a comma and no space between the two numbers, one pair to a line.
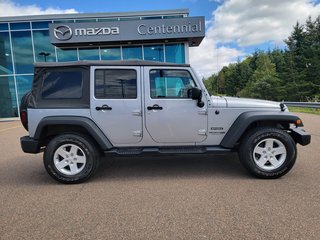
[88,54]
[110,53]
[22,51]
[173,16]
[64,21]
[132,52]
[8,100]
[175,53]
[154,53]
[4,26]
[62,85]
[20,26]
[107,19]
[40,25]
[86,20]
[5,54]
[43,49]
[170,83]
[67,55]
[24,84]
[115,84]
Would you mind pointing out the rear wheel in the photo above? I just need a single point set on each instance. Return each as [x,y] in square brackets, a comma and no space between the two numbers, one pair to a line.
[268,152]
[71,158]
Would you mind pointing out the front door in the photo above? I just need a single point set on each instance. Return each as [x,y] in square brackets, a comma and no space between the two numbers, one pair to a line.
[171,116]
[116,103]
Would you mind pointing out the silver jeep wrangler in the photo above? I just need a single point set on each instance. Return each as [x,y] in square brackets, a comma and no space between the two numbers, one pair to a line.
[77,111]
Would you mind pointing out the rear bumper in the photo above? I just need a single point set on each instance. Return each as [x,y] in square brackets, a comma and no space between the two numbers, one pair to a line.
[29,145]
[300,136]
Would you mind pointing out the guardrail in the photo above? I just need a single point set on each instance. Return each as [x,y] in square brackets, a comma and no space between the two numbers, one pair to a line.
[315,105]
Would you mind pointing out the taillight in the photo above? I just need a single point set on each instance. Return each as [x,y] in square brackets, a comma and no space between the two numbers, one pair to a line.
[24,109]
[24,118]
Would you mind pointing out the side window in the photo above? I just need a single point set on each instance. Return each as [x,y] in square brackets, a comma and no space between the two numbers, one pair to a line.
[62,85]
[170,83]
[115,84]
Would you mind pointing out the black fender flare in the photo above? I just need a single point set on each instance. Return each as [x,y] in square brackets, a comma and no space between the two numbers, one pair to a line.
[241,124]
[84,122]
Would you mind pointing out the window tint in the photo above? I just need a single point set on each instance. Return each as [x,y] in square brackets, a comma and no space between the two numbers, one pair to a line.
[116,84]
[62,85]
[170,83]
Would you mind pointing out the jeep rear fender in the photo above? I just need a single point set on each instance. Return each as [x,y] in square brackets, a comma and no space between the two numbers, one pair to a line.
[91,128]
[243,122]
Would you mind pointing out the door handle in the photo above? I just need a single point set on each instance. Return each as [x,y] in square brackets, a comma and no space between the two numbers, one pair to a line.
[104,108]
[154,107]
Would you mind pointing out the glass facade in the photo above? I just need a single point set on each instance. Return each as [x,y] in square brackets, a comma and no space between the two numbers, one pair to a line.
[24,42]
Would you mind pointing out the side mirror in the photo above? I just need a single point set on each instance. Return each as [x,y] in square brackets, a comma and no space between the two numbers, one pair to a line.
[196,94]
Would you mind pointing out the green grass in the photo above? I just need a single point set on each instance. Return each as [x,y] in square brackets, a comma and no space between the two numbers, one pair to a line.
[305,110]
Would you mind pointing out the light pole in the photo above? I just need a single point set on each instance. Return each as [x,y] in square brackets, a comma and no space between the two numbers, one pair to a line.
[45,54]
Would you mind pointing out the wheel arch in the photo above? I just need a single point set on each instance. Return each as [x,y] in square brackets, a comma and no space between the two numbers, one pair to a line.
[249,120]
[51,126]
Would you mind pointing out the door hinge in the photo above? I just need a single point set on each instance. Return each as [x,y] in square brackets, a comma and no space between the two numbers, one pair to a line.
[136,113]
[203,112]
[137,133]
[202,132]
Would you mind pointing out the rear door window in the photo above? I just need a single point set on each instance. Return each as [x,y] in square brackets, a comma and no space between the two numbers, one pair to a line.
[115,84]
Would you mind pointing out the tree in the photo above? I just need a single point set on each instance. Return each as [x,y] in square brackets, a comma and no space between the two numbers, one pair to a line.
[264,83]
[292,74]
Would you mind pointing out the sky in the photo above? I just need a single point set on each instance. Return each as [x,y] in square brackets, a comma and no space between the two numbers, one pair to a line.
[234,28]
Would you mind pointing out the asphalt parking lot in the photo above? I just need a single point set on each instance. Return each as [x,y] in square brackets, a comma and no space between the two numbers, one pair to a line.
[185,197]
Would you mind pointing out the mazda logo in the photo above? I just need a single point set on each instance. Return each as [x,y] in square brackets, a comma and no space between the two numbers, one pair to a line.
[62,32]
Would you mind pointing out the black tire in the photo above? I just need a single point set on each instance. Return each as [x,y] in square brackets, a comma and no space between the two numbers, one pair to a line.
[258,157]
[77,152]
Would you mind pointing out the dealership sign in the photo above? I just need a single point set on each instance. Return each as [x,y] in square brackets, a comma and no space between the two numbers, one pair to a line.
[189,29]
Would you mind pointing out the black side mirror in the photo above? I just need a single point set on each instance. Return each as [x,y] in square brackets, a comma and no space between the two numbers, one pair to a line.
[196,94]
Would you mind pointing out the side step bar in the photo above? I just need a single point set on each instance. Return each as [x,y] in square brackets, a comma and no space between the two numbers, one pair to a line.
[167,150]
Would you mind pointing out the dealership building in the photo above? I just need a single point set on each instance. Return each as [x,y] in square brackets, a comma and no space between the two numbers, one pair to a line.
[163,36]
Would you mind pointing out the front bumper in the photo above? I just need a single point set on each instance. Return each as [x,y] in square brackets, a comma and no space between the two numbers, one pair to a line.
[300,136]
[29,145]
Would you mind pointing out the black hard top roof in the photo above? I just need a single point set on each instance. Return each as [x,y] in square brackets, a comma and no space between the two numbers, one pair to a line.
[109,63]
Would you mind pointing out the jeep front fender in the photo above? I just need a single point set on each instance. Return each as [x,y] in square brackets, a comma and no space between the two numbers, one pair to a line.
[242,123]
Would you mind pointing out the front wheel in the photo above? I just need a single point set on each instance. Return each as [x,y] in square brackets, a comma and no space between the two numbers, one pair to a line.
[70,158]
[268,152]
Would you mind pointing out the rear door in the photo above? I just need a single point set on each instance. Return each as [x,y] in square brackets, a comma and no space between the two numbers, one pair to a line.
[116,103]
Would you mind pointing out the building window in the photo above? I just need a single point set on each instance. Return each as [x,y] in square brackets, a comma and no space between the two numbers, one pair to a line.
[67,55]
[154,53]
[24,84]
[4,26]
[62,85]
[44,50]
[5,54]
[22,52]
[132,53]
[88,54]
[115,84]
[110,53]
[8,101]
[20,26]
[40,25]
[175,53]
